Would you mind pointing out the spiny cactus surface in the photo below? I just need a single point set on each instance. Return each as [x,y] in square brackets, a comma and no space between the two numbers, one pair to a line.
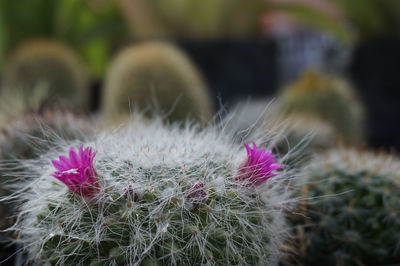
[27,137]
[49,64]
[351,215]
[156,75]
[155,195]
[329,98]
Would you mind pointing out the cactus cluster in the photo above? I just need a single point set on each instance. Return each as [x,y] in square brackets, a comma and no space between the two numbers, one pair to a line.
[151,194]
[155,73]
[351,215]
[331,99]
[48,64]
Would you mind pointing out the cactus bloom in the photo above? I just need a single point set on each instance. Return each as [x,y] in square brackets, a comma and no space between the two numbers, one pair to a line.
[77,171]
[258,167]
[196,192]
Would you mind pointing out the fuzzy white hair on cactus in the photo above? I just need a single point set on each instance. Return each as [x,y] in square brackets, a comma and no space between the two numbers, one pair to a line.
[151,194]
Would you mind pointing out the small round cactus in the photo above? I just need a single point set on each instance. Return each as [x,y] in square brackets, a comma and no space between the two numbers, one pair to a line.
[330,98]
[51,65]
[156,73]
[351,212]
[151,194]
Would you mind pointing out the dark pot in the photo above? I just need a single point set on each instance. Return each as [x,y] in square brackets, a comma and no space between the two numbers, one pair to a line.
[375,71]
[235,69]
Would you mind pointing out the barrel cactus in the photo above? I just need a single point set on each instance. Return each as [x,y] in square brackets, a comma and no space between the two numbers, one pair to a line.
[151,194]
[330,98]
[48,64]
[156,73]
[351,212]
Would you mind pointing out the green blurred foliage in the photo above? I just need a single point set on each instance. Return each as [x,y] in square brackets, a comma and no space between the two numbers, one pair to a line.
[210,19]
[93,31]
[372,18]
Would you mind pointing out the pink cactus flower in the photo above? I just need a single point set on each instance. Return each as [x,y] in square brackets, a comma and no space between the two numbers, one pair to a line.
[196,192]
[78,172]
[259,166]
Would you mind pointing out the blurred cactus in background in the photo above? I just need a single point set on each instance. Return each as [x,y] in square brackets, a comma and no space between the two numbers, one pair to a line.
[331,99]
[52,66]
[350,214]
[155,195]
[32,133]
[156,73]
[93,30]
[307,135]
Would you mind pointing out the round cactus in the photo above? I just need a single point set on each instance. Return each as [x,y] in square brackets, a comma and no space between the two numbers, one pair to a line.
[351,215]
[27,137]
[155,73]
[51,65]
[155,195]
[330,98]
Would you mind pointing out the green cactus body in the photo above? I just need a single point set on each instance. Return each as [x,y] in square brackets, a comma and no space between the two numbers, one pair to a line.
[48,64]
[156,73]
[351,215]
[146,212]
[329,98]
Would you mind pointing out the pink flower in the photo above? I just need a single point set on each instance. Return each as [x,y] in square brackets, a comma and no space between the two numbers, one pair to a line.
[258,167]
[78,172]
[196,192]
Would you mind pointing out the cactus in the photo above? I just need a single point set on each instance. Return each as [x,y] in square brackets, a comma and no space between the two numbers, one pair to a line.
[351,215]
[330,98]
[155,72]
[151,194]
[52,65]
[27,137]
[298,127]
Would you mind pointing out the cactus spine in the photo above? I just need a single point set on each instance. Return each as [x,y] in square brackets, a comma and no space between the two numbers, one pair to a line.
[351,215]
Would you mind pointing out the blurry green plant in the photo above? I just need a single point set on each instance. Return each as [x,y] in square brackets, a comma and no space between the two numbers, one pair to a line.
[50,65]
[156,73]
[329,98]
[350,214]
[93,30]
[194,19]
[372,18]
